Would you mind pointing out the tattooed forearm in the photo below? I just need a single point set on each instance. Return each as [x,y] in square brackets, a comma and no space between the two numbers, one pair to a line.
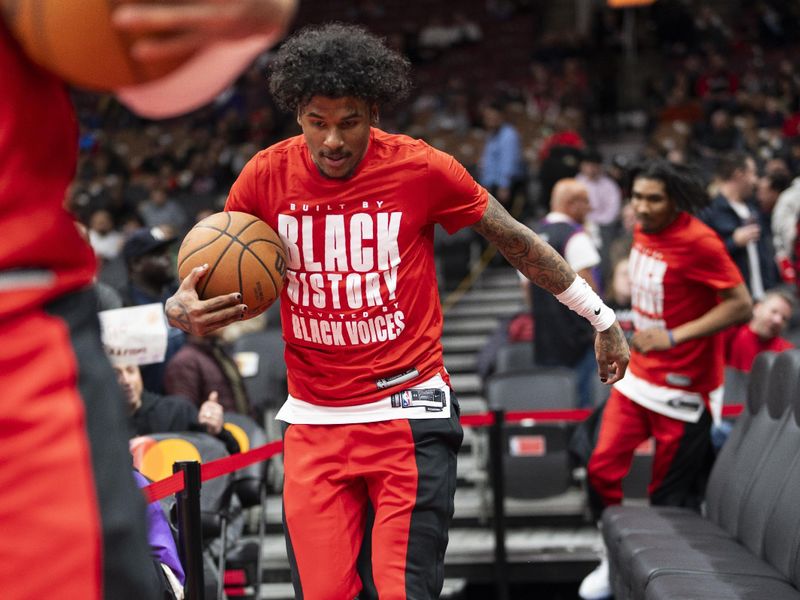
[525,250]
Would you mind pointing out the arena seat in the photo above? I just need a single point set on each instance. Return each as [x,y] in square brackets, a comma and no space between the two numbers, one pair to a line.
[746,544]
[159,453]
[536,460]
[514,356]
[735,390]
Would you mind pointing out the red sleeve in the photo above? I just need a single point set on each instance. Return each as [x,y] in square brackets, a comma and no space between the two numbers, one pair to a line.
[456,199]
[244,195]
[711,264]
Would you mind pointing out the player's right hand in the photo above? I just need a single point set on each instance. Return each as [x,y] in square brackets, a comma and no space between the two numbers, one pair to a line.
[185,310]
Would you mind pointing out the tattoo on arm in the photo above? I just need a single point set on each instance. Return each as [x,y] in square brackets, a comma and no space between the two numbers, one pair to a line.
[525,250]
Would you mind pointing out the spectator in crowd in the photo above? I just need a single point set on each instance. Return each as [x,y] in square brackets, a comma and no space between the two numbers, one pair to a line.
[562,338]
[151,274]
[685,289]
[560,153]
[151,278]
[605,196]
[104,238]
[159,210]
[736,218]
[203,366]
[771,316]
[154,413]
[365,399]
[502,166]
[718,137]
[785,225]
[770,187]
[169,575]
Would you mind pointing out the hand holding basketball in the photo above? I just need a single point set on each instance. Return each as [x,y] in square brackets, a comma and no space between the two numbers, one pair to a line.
[186,311]
[232,265]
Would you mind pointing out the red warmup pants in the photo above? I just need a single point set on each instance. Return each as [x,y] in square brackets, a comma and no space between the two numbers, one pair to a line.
[398,477]
[681,461]
[66,498]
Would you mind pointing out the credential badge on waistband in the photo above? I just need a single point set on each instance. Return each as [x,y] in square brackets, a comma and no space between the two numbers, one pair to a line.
[433,400]
[393,380]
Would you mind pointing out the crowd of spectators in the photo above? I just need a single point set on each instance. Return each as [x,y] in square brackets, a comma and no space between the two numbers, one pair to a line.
[724,82]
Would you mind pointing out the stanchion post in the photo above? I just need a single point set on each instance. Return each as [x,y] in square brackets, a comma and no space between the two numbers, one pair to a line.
[190,528]
[496,451]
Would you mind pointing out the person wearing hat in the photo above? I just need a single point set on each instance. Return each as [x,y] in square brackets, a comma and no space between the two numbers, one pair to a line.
[151,275]
[151,278]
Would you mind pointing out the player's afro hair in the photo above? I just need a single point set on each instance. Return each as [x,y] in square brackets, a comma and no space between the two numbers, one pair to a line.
[337,60]
[682,184]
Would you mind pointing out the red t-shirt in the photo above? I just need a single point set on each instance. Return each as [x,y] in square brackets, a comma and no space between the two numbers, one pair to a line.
[41,253]
[741,345]
[676,275]
[360,310]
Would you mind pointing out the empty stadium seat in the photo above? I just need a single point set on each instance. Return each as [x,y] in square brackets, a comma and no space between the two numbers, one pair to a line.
[536,459]
[514,357]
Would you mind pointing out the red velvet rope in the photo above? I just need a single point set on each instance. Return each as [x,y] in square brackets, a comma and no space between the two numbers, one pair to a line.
[174,483]
[221,466]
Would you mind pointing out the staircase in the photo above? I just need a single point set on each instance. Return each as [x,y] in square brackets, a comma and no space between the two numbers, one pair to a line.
[467,326]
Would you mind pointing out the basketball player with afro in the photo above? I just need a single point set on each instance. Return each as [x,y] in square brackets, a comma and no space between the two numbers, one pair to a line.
[71,519]
[371,424]
[684,289]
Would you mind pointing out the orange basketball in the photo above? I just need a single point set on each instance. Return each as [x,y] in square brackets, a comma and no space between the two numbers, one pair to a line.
[243,255]
[78,42]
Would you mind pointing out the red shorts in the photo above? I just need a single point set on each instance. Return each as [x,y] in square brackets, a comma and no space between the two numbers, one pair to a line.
[400,477]
[57,509]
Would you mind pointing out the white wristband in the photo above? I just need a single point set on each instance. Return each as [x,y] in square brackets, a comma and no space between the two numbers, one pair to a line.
[581,298]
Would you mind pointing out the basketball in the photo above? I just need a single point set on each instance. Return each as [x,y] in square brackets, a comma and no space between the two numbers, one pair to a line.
[78,42]
[243,255]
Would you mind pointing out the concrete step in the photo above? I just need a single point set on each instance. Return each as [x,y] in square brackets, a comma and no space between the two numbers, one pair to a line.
[499,309]
[463,343]
[457,325]
[459,362]
[466,383]
[511,293]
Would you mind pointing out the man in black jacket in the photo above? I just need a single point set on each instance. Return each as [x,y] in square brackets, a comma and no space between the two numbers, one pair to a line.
[154,413]
[735,216]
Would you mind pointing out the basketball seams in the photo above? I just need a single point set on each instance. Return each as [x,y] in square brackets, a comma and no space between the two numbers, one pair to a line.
[239,274]
[202,246]
[212,268]
[243,229]
[261,262]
